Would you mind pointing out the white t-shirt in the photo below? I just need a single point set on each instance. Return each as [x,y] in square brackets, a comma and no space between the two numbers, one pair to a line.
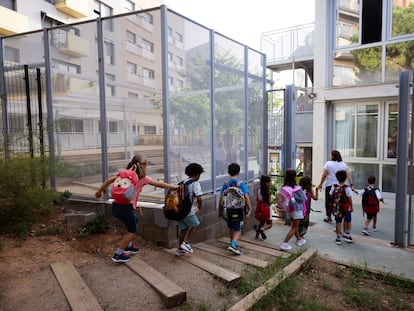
[377,193]
[332,167]
[195,191]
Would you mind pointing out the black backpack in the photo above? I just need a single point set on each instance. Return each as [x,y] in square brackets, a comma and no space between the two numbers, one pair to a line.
[178,202]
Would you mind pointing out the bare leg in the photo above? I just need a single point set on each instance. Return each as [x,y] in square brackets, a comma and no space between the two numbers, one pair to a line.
[293,230]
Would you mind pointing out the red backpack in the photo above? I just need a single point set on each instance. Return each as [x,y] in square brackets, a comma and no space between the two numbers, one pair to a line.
[262,213]
[370,202]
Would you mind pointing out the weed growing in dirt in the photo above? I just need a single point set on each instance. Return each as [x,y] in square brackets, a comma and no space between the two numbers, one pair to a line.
[51,230]
[97,225]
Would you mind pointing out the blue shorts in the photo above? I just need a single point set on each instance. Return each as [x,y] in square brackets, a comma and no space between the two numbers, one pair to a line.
[347,217]
[235,225]
[296,214]
[189,221]
[125,213]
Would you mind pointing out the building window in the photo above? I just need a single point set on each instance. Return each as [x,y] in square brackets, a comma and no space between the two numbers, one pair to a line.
[129,6]
[356,130]
[150,130]
[110,87]
[105,11]
[113,126]
[132,95]
[8,4]
[402,14]
[147,17]
[131,68]
[358,22]
[392,130]
[131,37]
[109,52]
[147,45]
[179,61]
[70,125]
[149,74]
[65,66]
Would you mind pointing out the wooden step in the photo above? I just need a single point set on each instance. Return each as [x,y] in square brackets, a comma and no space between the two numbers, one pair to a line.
[171,294]
[265,244]
[77,293]
[228,277]
[257,248]
[226,253]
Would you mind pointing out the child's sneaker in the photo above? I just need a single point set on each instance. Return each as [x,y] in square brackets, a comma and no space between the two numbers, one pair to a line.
[120,258]
[235,249]
[263,235]
[285,247]
[131,250]
[300,242]
[348,238]
[180,252]
[374,229]
[365,231]
[187,247]
[338,241]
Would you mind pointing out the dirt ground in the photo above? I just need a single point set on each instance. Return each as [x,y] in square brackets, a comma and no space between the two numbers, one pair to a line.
[27,282]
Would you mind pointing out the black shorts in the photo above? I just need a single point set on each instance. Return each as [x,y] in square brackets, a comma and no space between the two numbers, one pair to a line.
[125,213]
[371,215]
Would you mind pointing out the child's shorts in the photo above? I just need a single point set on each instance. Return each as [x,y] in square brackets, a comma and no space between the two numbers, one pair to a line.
[235,225]
[190,221]
[296,215]
[371,216]
[125,213]
[347,217]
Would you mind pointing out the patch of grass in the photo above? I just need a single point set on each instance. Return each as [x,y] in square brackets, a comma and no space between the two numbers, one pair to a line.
[401,304]
[51,230]
[97,225]
[255,277]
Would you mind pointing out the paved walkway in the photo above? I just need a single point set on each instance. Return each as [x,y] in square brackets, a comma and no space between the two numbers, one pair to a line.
[375,251]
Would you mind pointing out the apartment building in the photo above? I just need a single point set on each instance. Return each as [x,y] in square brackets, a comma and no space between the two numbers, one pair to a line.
[132,60]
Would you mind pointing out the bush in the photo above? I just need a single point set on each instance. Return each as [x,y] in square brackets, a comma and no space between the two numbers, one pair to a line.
[23,194]
[97,225]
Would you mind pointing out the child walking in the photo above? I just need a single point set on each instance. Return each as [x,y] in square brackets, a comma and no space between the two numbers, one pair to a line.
[297,214]
[236,227]
[371,196]
[306,184]
[188,225]
[263,213]
[125,212]
[345,207]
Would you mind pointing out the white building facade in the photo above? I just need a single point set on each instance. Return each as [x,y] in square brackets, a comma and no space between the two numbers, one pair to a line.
[360,49]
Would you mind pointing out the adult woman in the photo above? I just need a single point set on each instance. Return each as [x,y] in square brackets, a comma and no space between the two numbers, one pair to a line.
[329,170]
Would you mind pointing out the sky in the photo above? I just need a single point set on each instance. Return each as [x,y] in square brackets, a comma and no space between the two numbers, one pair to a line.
[245,20]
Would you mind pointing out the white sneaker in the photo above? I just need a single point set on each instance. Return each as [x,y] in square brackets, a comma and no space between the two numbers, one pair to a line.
[187,247]
[300,242]
[365,231]
[375,229]
[285,246]
[180,252]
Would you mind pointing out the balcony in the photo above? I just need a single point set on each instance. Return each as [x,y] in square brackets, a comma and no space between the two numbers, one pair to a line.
[74,8]
[73,45]
[12,22]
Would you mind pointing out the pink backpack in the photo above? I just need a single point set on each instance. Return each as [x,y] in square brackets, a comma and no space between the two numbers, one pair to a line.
[285,199]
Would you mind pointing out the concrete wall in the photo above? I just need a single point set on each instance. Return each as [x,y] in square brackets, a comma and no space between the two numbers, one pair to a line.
[153,226]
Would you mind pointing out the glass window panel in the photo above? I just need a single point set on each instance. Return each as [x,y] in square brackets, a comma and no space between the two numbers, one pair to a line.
[344,138]
[366,131]
[399,57]
[389,178]
[347,22]
[356,67]
[360,172]
[392,130]
[190,105]
[402,18]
